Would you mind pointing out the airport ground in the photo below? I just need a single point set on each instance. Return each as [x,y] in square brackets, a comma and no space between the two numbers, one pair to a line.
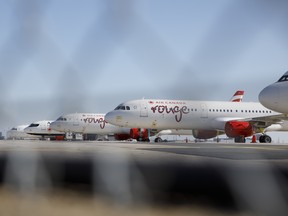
[125,178]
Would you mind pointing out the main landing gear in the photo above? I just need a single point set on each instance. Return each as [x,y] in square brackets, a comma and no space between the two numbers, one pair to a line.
[240,139]
[265,139]
[262,139]
[158,139]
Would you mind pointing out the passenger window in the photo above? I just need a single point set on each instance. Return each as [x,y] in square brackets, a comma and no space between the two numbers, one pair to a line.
[127,108]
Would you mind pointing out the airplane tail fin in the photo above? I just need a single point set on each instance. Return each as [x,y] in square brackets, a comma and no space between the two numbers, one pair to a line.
[238,96]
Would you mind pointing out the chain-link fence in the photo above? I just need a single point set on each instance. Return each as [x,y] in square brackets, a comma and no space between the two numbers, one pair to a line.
[56,178]
[64,56]
[70,56]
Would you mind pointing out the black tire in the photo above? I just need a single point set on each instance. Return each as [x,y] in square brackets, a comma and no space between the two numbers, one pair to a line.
[158,139]
[265,139]
[240,139]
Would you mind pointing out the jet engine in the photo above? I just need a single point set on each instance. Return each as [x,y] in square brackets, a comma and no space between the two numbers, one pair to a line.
[238,130]
[204,134]
[140,134]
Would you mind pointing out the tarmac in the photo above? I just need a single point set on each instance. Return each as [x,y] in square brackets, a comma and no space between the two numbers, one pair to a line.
[206,178]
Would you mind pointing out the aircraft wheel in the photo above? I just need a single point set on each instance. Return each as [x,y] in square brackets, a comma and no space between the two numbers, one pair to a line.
[265,139]
[240,139]
[158,139]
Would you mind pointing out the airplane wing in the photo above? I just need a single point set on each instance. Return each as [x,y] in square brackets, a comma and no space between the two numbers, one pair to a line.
[257,122]
[266,121]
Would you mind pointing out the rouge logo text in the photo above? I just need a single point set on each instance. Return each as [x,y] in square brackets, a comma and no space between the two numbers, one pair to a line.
[99,121]
[178,111]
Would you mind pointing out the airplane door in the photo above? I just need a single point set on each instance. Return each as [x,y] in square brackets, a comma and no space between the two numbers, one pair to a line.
[42,127]
[204,111]
[143,109]
[75,122]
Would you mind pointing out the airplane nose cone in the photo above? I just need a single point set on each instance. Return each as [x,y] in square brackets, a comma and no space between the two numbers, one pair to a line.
[268,97]
[109,117]
[113,118]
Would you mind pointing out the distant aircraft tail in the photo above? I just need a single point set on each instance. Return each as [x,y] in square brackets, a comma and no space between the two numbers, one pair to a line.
[238,96]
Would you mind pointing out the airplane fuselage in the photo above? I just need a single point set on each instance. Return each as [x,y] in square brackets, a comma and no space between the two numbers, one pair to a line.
[41,128]
[86,123]
[183,114]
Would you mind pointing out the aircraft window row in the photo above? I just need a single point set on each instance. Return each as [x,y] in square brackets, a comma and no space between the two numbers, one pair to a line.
[122,108]
[193,110]
[283,78]
[246,111]
[220,110]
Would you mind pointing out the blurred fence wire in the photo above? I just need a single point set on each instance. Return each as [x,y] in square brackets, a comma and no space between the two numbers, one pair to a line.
[67,56]
[32,174]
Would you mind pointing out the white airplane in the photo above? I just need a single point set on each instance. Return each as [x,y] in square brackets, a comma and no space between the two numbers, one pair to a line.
[205,118]
[42,128]
[92,123]
[89,123]
[275,96]
[18,133]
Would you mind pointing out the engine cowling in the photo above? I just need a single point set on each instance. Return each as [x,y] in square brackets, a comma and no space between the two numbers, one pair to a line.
[140,134]
[238,128]
[204,134]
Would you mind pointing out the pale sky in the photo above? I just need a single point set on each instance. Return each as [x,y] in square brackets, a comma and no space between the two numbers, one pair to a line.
[63,56]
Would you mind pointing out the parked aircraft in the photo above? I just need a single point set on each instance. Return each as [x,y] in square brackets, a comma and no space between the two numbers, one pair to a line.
[18,133]
[92,123]
[275,96]
[42,128]
[205,118]
[89,123]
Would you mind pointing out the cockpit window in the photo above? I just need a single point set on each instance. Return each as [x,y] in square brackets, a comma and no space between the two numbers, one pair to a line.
[13,128]
[33,125]
[120,107]
[283,78]
[61,119]
[117,108]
